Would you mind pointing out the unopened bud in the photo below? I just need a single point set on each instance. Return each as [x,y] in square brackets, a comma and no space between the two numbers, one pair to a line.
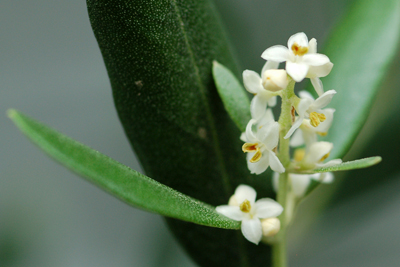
[270,226]
[275,80]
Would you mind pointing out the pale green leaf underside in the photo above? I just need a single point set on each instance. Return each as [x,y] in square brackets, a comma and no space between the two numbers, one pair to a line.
[233,95]
[117,179]
[349,165]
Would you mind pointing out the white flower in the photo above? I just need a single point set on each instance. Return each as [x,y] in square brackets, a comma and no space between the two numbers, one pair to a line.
[263,96]
[249,211]
[315,155]
[314,72]
[307,134]
[260,146]
[310,108]
[301,182]
[300,56]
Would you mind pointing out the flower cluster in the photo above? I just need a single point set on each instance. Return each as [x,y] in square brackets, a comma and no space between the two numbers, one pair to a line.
[267,141]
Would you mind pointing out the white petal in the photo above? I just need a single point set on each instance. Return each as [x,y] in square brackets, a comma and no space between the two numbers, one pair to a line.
[269,65]
[269,135]
[258,106]
[259,166]
[251,230]
[243,137]
[318,86]
[295,125]
[316,152]
[309,135]
[244,192]
[275,163]
[272,102]
[312,46]
[323,100]
[252,81]
[297,139]
[300,38]
[277,53]
[319,71]
[305,94]
[267,208]
[268,117]
[232,212]
[315,59]
[326,177]
[300,183]
[250,137]
[297,71]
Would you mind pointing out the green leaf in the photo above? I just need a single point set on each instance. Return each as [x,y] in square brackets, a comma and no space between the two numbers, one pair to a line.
[345,166]
[233,95]
[362,47]
[159,56]
[117,179]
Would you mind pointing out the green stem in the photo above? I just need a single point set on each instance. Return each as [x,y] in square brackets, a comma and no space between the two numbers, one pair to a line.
[279,249]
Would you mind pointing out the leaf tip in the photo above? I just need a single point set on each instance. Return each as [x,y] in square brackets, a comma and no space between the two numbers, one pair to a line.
[12,113]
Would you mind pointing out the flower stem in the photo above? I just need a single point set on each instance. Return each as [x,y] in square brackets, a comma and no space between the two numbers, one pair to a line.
[279,249]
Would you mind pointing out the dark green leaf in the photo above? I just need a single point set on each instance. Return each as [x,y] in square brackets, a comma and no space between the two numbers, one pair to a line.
[361,47]
[119,180]
[159,56]
[233,95]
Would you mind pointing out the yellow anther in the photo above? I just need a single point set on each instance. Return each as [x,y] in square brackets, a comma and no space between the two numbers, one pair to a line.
[257,156]
[249,147]
[299,50]
[245,206]
[316,118]
[322,133]
[299,154]
[324,157]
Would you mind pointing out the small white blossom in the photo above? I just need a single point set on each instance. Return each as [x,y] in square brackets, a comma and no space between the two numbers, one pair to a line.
[263,96]
[314,72]
[270,227]
[314,156]
[310,108]
[244,208]
[300,56]
[260,145]
[307,134]
[301,182]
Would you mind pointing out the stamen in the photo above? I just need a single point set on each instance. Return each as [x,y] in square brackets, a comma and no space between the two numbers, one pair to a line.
[245,206]
[316,118]
[299,50]
[292,112]
[299,154]
[249,147]
[257,156]
[324,157]
[322,133]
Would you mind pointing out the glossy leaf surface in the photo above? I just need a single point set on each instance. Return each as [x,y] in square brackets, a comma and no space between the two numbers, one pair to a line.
[159,56]
[117,179]
[233,95]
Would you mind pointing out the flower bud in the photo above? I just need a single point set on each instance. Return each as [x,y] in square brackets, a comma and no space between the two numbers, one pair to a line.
[274,80]
[270,226]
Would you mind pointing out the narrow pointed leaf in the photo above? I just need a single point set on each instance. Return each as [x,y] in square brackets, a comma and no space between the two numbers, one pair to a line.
[362,47]
[117,179]
[233,95]
[346,166]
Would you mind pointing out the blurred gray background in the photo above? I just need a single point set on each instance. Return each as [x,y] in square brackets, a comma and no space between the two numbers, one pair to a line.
[51,68]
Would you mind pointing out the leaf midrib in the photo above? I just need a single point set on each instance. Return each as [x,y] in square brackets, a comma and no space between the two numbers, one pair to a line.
[210,119]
